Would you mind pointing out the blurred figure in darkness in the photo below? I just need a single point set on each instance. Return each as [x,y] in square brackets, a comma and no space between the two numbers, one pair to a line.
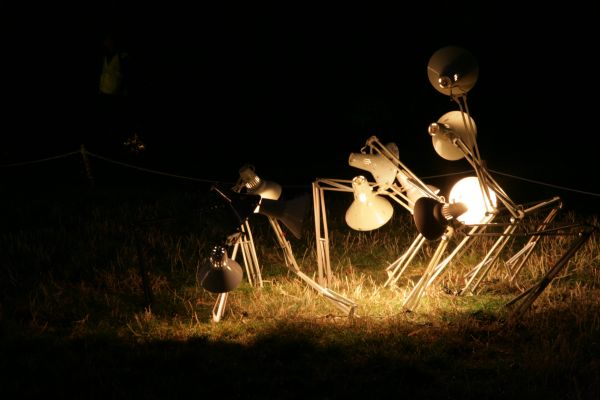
[116,116]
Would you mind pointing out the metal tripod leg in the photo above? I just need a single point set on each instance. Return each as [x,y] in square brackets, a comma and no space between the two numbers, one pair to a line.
[527,298]
[345,305]
[397,268]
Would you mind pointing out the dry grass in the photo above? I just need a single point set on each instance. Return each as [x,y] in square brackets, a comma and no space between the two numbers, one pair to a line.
[72,291]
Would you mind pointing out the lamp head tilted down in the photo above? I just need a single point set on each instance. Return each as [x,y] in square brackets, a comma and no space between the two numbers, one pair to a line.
[220,274]
[383,170]
[291,212]
[368,211]
[452,71]
[432,217]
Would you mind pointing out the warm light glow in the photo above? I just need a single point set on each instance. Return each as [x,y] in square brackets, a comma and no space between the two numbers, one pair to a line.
[469,191]
[368,211]
[255,185]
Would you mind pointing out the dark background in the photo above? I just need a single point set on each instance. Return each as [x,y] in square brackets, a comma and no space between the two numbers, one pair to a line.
[295,88]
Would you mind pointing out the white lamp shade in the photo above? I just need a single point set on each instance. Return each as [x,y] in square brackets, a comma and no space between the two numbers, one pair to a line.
[469,192]
[255,185]
[454,121]
[368,211]
[267,190]
[452,71]
[382,169]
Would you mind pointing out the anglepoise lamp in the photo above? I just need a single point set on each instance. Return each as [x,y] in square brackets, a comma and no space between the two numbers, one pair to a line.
[371,208]
[220,274]
[383,170]
[255,185]
[452,71]
[291,213]
[368,211]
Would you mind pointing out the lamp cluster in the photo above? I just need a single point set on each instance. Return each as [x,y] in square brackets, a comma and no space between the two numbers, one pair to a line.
[471,205]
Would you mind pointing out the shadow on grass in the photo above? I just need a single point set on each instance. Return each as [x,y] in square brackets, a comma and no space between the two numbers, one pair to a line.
[309,360]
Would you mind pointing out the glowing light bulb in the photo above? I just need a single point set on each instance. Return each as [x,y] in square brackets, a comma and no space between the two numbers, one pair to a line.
[469,192]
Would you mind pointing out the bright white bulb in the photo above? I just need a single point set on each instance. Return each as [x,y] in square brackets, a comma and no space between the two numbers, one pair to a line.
[469,192]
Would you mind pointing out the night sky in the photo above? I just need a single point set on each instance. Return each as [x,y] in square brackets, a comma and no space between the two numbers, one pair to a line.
[295,89]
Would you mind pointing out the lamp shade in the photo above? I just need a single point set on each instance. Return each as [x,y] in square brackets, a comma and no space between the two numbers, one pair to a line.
[449,126]
[432,217]
[368,211]
[452,71]
[469,191]
[255,185]
[242,205]
[383,170]
[290,212]
[220,274]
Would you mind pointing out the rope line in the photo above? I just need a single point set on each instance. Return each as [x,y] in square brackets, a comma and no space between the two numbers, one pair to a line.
[448,174]
[152,171]
[19,164]
[546,184]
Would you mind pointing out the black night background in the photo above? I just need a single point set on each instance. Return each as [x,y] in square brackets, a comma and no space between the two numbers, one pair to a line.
[295,90]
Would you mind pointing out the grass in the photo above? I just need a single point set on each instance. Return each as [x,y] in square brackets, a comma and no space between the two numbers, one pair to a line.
[74,322]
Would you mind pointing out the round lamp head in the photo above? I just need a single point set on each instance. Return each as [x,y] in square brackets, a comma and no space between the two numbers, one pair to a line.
[452,125]
[452,71]
[255,185]
[469,192]
[428,218]
[368,211]
[383,170]
[220,274]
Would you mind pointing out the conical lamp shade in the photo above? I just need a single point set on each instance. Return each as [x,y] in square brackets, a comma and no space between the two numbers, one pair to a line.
[432,217]
[220,274]
[267,190]
[255,185]
[291,212]
[368,211]
[428,218]
[452,71]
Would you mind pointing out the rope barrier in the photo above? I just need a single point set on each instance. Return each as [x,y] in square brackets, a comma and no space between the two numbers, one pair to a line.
[152,171]
[19,164]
